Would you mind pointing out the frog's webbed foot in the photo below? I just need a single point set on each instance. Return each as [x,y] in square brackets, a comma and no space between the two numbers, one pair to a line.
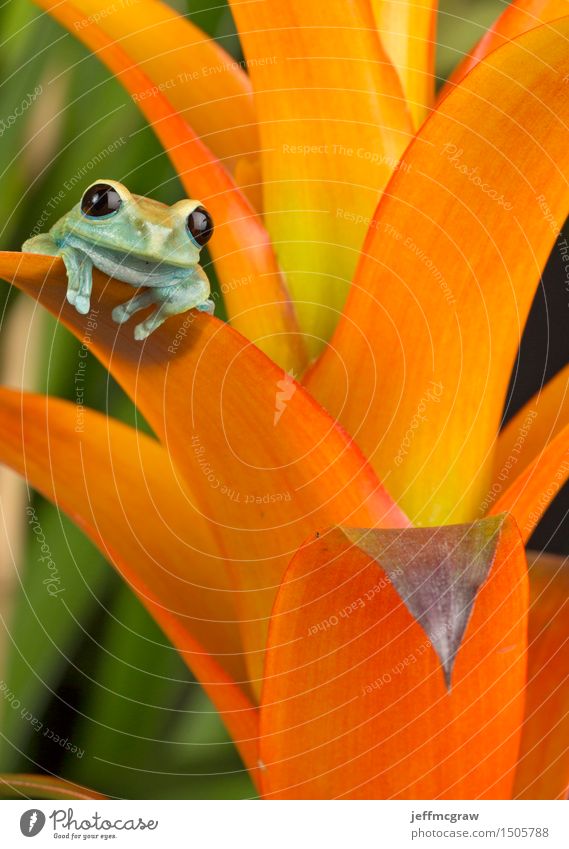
[169,300]
[143,299]
[79,278]
[207,306]
[124,311]
[164,311]
[150,324]
[166,307]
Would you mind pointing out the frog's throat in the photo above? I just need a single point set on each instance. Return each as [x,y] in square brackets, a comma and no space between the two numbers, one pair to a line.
[130,268]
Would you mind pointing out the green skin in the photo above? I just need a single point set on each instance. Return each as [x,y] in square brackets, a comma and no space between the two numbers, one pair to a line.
[145,243]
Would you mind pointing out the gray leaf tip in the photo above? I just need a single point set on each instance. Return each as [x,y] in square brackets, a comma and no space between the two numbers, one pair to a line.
[437,573]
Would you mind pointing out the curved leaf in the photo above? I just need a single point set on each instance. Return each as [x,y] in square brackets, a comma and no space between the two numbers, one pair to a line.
[530,494]
[408,32]
[518,17]
[543,769]
[355,703]
[120,488]
[333,124]
[251,282]
[419,366]
[28,786]
[195,74]
[530,430]
[263,462]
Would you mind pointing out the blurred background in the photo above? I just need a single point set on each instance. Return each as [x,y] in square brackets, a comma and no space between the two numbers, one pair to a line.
[122,711]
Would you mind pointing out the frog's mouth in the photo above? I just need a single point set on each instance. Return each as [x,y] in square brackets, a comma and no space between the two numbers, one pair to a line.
[134,269]
[138,263]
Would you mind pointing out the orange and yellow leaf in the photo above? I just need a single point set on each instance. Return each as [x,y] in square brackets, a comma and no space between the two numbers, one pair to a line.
[120,488]
[209,89]
[251,282]
[530,430]
[333,124]
[263,463]
[419,366]
[354,702]
[543,769]
[407,29]
[518,17]
[532,491]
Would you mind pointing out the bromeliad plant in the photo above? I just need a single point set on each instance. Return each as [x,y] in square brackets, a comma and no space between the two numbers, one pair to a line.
[329,524]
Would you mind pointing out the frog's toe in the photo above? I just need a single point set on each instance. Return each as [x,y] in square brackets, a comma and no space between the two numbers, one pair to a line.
[82,304]
[207,306]
[123,312]
[149,325]
[141,332]
[120,314]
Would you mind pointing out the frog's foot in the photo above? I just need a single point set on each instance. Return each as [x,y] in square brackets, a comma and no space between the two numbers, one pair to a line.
[149,296]
[81,302]
[152,323]
[124,311]
[79,279]
[165,311]
[170,301]
[207,306]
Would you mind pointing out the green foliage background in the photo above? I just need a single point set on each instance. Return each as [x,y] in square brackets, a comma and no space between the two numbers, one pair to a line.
[90,664]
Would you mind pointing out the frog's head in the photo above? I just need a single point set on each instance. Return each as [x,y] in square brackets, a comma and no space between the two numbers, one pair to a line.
[109,216]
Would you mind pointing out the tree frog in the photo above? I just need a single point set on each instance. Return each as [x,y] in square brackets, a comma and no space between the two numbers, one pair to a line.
[140,241]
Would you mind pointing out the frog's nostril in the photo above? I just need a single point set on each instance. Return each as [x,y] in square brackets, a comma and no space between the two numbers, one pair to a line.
[200,225]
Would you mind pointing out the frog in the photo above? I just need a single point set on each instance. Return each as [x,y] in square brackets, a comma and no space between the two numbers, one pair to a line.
[137,240]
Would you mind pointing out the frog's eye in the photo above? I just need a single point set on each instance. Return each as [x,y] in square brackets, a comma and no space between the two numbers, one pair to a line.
[200,225]
[100,200]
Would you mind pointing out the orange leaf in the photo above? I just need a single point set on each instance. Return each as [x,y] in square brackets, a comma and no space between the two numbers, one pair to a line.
[333,124]
[248,178]
[264,463]
[408,32]
[119,486]
[251,282]
[419,366]
[355,704]
[530,494]
[529,431]
[518,17]
[28,786]
[195,74]
[543,770]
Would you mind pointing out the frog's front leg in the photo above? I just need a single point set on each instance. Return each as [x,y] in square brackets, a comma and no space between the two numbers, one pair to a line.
[41,244]
[176,299]
[79,269]
[77,264]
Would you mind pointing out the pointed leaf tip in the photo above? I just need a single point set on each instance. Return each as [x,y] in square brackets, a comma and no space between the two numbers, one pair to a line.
[348,669]
[437,572]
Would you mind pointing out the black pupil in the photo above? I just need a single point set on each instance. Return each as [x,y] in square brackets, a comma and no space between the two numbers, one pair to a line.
[99,200]
[200,225]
